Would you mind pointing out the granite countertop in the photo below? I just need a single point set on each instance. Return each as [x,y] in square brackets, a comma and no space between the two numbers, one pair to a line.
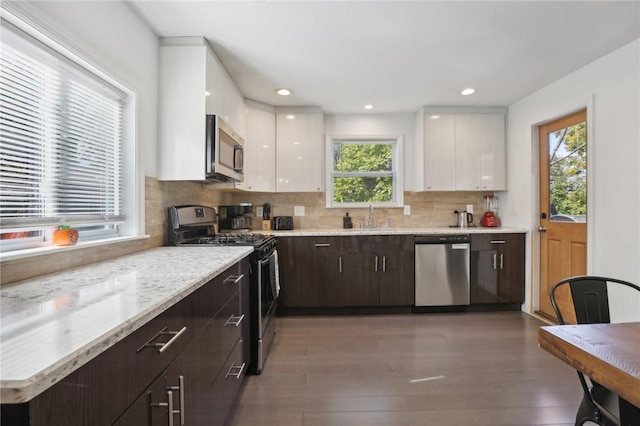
[52,325]
[337,232]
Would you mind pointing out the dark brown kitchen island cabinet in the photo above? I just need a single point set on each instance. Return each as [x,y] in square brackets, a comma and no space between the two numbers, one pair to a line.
[182,352]
[346,271]
[497,267]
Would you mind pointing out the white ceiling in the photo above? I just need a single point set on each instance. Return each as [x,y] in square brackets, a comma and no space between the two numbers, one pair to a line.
[398,55]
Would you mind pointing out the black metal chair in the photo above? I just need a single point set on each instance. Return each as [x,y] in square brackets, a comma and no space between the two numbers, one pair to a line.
[591,304]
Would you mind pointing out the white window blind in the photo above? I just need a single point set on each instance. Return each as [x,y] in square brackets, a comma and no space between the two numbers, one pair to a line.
[60,139]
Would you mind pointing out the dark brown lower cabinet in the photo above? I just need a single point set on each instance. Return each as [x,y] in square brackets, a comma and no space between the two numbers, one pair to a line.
[497,267]
[346,271]
[133,383]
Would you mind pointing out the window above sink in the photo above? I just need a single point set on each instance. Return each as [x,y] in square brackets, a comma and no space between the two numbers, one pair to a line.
[364,171]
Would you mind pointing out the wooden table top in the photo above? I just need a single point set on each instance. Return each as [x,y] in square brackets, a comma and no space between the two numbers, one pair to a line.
[608,353]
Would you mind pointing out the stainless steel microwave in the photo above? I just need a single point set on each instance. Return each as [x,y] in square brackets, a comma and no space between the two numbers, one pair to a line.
[225,151]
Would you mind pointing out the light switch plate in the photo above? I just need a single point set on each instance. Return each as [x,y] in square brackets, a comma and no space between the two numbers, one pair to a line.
[298,211]
[407,210]
[259,211]
[470,208]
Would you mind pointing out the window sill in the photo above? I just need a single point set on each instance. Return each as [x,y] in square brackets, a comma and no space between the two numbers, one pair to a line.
[21,254]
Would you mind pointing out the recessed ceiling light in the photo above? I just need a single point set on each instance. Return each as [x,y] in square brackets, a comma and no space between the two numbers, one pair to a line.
[290,117]
[368,106]
[435,117]
[468,91]
[283,92]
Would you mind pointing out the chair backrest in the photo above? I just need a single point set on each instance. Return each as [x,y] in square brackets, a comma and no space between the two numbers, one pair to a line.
[590,297]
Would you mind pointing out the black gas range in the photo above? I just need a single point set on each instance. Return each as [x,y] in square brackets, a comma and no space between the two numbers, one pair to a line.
[191,226]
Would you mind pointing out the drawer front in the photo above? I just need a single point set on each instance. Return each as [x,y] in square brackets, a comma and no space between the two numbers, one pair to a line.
[318,245]
[226,387]
[224,330]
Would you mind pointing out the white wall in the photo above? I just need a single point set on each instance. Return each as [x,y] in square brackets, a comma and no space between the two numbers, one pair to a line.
[112,37]
[610,87]
[378,124]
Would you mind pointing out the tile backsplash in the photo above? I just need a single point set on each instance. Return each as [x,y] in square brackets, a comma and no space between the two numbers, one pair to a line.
[428,209]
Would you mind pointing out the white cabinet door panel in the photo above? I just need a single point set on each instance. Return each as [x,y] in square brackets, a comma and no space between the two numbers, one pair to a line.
[439,153]
[182,113]
[468,152]
[299,153]
[259,152]
[492,152]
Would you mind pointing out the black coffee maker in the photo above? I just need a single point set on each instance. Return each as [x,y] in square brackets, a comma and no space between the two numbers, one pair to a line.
[235,218]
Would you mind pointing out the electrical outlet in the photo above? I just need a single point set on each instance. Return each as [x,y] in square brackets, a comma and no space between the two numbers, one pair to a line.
[470,208]
[407,210]
[259,211]
[298,211]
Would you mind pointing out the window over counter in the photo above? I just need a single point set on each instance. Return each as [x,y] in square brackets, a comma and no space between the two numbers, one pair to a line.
[66,144]
[363,171]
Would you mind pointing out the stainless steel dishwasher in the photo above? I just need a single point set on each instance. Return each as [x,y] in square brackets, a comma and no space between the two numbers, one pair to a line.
[442,270]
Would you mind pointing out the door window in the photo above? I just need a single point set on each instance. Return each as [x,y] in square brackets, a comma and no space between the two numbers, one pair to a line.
[568,173]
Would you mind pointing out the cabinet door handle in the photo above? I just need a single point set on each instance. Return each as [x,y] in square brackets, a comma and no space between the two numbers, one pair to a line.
[169,405]
[163,346]
[497,241]
[501,261]
[376,267]
[236,374]
[384,263]
[234,279]
[323,245]
[495,261]
[234,320]
[180,389]
[340,263]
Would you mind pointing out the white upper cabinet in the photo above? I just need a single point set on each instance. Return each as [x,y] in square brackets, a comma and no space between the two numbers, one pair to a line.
[463,152]
[440,153]
[259,150]
[299,152]
[192,84]
[480,152]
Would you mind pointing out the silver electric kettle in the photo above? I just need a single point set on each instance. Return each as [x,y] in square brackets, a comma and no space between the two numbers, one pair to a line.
[463,219]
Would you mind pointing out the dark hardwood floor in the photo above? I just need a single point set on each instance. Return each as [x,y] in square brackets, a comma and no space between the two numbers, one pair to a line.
[420,369]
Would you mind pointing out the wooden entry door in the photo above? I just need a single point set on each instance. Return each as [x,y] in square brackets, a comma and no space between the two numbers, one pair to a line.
[563,206]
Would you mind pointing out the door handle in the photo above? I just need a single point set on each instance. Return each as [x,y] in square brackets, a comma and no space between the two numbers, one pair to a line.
[542,229]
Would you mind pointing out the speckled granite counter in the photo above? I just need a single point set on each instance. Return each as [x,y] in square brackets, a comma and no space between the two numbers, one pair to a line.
[337,232]
[51,326]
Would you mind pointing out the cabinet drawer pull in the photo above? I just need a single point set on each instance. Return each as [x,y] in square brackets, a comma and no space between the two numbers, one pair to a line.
[323,245]
[340,263]
[234,279]
[180,389]
[384,263]
[234,320]
[494,261]
[497,242]
[165,345]
[376,266]
[233,373]
[501,261]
